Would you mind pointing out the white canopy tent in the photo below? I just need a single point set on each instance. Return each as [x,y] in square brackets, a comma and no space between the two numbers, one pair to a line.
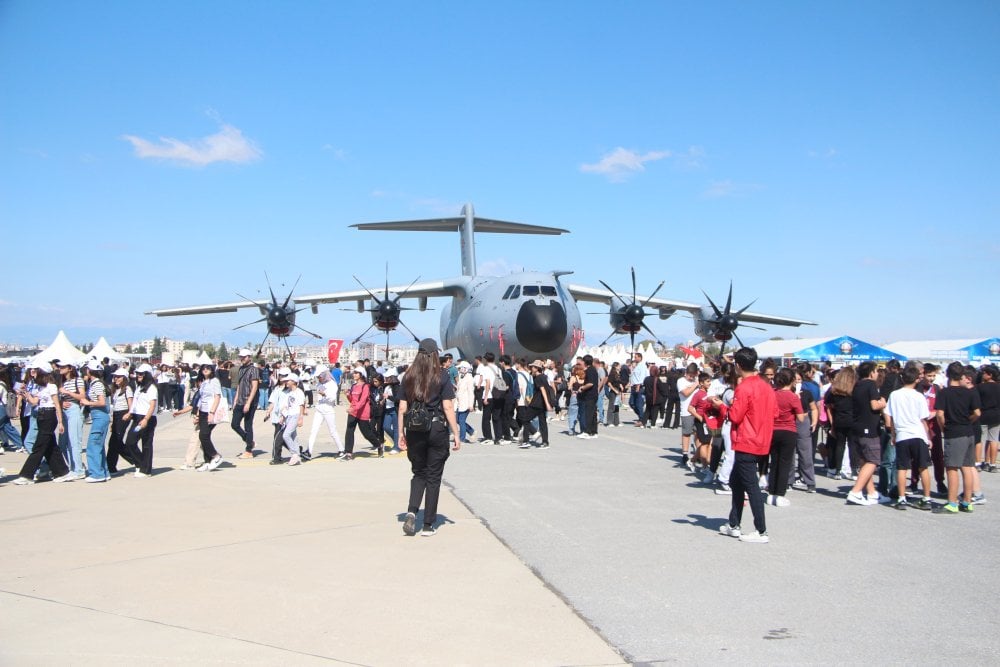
[934,350]
[60,349]
[103,349]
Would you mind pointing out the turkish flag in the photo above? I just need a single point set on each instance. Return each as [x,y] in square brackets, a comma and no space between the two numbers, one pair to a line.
[691,351]
[333,350]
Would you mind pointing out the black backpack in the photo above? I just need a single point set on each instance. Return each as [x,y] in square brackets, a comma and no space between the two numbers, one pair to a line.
[418,417]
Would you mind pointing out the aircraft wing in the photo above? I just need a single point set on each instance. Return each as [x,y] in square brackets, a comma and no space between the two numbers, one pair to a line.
[203,310]
[455,287]
[582,293]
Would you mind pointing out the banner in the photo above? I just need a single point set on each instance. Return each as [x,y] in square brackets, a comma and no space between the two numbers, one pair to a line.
[333,350]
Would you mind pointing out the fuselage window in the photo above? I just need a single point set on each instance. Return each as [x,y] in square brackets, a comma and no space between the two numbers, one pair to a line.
[548,290]
[531,290]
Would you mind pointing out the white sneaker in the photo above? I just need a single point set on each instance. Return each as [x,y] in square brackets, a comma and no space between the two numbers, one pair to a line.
[583,436]
[857,498]
[486,441]
[23,481]
[755,538]
[778,501]
[729,531]
[140,475]
[68,477]
[202,468]
[95,480]
[216,462]
[294,461]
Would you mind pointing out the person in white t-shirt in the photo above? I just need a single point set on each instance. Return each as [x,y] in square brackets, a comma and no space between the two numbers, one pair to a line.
[687,384]
[326,390]
[293,416]
[50,426]
[209,397]
[275,408]
[907,414]
[142,421]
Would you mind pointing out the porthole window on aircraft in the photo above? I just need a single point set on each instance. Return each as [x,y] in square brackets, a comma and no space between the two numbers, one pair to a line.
[548,290]
[531,290]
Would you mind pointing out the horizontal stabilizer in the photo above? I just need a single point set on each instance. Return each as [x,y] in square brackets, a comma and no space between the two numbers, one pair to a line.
[454,224]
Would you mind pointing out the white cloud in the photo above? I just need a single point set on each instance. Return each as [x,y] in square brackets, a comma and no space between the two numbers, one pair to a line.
[226,145]
[720,189]
[823,155]
[621,163]
[497,267]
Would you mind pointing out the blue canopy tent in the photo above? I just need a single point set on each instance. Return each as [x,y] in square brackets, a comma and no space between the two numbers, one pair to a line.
[844,349]
[985,351]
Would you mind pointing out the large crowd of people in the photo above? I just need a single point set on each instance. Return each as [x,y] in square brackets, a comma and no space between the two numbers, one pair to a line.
[885,428]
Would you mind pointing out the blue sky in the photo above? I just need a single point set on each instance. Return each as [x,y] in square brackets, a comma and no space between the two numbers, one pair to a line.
[837,161]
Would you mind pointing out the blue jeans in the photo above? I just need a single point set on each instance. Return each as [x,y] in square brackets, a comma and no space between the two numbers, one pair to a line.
[97,459]
[637,402]
[574,413]
[389,426]
[600,406]
[10,434]
[262,394]
[463,426]
[72,438]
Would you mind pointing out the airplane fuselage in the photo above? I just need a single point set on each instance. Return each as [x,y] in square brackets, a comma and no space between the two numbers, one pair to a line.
[527,314]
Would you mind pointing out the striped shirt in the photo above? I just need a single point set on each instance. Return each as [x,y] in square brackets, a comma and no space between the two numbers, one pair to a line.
[120,402]
[96,392]
[76,385]
[248,374]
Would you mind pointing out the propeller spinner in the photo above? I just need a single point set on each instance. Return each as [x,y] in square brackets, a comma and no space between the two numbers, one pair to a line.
[280,317]
[723,326]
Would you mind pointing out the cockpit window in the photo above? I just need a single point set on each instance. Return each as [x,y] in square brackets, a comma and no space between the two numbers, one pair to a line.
[531,290]
[506,295]
[548,290]
[516,294]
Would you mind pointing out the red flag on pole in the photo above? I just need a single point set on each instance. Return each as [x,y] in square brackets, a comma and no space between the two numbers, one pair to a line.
[333,350]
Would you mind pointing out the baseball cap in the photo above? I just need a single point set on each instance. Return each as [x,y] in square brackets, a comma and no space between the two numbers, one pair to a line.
[144,368]
[121,373]
[429,346]
[244,352]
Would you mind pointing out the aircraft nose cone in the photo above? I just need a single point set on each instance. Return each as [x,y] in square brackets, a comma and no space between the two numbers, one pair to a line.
[541,329]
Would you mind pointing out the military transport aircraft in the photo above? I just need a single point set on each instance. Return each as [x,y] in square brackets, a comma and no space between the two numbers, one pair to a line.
[530,314]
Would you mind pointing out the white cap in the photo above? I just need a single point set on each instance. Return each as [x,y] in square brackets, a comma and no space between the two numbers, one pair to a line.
[244,352]
[293,377]
[391,373]
[322,369]
[94,365]
[283,371]
[121,373]
[144,368]
[42,366]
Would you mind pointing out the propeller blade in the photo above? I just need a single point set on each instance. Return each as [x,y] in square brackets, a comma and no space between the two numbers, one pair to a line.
[633,284]
[377,300]
[314,335]
[740,311]
[608,287]
[289,297]
[251,301]
[403,324]
[261,346]
[737,336]
[650,331]
[263,319]
[363,332]
[718,313]
[606,339]
[750,326]
[274,299]
[400,296]
[658,288]
[387,280]
[729,299]
[631,341]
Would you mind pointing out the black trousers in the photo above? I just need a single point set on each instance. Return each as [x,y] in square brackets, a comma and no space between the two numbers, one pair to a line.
[782,457]
[588,415]
[46,446]
[205,436]
[427,453]
[543,424]
[143,457]
[673,410]
[116,443]
[366,431]
[242,423]
[744,483]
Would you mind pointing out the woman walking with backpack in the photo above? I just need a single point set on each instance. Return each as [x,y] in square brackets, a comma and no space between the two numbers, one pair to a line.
[428,398]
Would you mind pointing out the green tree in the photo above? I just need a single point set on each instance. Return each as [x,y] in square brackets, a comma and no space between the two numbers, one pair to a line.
[223,352]
[208,349]
[128,349]
[190,345]
[140,350]
[157,350]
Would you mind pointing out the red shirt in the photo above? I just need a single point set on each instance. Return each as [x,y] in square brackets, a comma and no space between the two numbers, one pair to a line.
[789,405]
[752,416]
[713,416]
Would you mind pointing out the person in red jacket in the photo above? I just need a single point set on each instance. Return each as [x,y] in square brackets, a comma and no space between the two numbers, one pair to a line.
[358,416]
[752,417]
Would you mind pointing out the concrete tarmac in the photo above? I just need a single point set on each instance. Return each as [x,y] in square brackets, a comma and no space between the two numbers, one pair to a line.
[630,540]
[608,553]
[261,565]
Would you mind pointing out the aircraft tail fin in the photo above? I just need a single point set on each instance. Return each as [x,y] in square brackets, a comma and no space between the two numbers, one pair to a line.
[466,226]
